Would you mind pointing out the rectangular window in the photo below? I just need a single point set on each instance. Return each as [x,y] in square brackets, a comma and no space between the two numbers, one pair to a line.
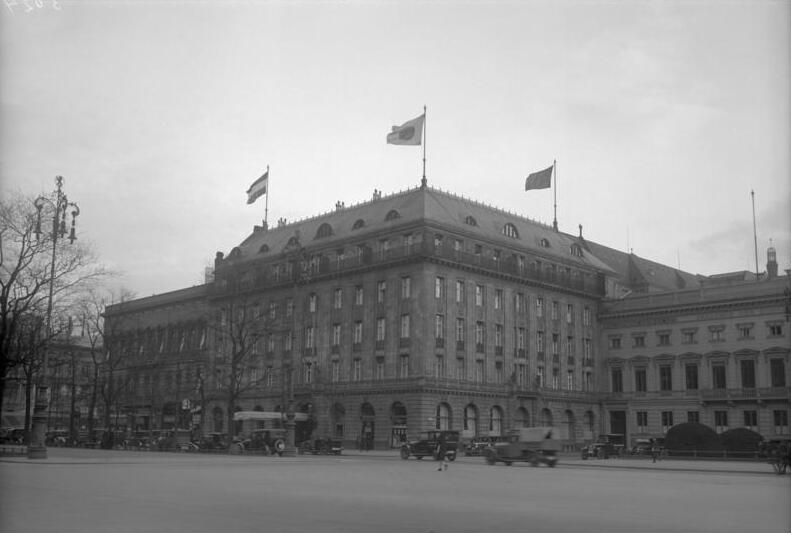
[480,330]
[439,327]
[640,380]
[693,417]
[775,330]
[519,302]
[357,370]
[406,287]
[479,295]
[459,291]
[665,377]
[745,331]
[539,307]
[439,366]
[751,419]
[639,341]
[498,335]
[358,332]
[336,334]
[336,371]
[269,376]
[616,377]
[403,367]
[667,421]
[586,348]
[780,418]
[498,298]
[520,338]
[691,375]
[777,369]
[358,295]
[384,246]
[337,300]
[554,310]
[716,334]
[381,291]
[479,371]
[664,339]
[586,316]
[380,369]
[718,377]
[460,329]
[688,336]
[438,242]
[540,376]
[498,371]
[540,342]
[380,329]
[555,344]
[748,374]
[272,310]
[289,307]
[642,421]
[308,372]
[720,421]
[313,302]
[404,326]
[555,378]
[615,342]
[569,313]
[439,287]
[570,385]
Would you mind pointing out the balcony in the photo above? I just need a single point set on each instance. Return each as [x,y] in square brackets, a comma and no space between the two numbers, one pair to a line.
[439,342]
[519,353]
[459,346]
[404,342]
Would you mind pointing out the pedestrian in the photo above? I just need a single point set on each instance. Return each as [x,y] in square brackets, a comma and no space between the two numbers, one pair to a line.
[444,456]
[654,450]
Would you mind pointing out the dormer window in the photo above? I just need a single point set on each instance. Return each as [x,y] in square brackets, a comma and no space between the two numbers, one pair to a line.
[509,230]
[470,221]
[544,243]
[576,250]
[264,249]
[359,223]
[325,230]
[392,215]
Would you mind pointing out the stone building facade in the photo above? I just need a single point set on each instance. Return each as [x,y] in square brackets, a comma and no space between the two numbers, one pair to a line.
[409,312]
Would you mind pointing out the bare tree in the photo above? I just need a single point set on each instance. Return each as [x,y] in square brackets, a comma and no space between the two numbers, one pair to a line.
[26,278]
[239,331]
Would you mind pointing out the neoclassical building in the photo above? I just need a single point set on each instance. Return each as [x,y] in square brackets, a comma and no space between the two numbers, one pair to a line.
[423,310]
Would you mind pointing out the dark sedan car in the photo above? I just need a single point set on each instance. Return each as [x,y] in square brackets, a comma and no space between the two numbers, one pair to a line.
[436,444]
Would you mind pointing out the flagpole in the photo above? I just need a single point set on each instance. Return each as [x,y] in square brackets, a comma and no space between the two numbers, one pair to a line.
[555,189]
[423,182]
[755,235]
[266,205]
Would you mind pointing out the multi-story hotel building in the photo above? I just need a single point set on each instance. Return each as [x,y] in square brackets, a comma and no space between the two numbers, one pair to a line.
[424,310]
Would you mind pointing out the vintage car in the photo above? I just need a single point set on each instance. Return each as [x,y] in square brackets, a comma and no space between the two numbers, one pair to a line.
[606,446]
[535,446]
[436,444]
[479,445]
[326,446]
[265,441]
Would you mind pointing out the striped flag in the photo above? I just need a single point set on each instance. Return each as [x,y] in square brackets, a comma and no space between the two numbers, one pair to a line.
[258,188]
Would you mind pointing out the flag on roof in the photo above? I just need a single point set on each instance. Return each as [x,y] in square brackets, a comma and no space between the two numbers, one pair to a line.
[540,180]
[409,133]
[258,188]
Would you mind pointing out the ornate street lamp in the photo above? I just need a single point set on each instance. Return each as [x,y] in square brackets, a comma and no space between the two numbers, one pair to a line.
[37,447]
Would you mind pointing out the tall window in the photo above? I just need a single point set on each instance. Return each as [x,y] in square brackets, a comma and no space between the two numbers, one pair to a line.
[642,421]
[380,329]
[640,381]
[555,378]
[691,375]
[540,376]
[777,369]
[439,366]
[404,326]
[539,306]
[555,344]
[718,376]
[498,336]
[569,313]
[748,373]
[520,339]
[479,371]
[380,369]
[667,421]
[751,419]
[357,370]
[313,302]
[780,417]
[439,287]
[693,417]
[459,330]
[479,336]
[586,316]
[665,377]
[570,380]
[479,295]
[540,341]
[336,371]
[308,372]
[310,337]
[554,310]
[336,334]
[616,380]
[358,332]
[498,298]
[720,421]
[381,291]
[498,371]
[406,287]
[403,367]
[519,302]
[439,327]
[459,291]
[358,295]
[337,300]
[461,368]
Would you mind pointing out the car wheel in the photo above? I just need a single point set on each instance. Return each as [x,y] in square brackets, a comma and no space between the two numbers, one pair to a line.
[452,457]
[404,453]
[490,459]
[279,446]
[508,463]
[552,463]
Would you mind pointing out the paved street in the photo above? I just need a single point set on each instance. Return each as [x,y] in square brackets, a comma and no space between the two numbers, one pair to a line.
[113,491]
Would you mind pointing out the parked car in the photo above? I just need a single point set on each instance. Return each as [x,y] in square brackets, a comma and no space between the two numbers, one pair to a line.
[326,446]
[436,444]
[478,445]
[535,446]
[606,446]
[265,441]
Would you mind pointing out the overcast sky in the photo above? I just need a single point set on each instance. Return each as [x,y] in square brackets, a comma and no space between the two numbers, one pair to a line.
[662,116]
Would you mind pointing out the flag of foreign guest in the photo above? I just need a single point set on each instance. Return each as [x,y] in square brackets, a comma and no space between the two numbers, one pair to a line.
[410,133]
[539,180]
[258,188]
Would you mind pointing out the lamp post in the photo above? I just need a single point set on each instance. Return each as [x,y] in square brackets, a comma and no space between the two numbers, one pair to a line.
[37,447]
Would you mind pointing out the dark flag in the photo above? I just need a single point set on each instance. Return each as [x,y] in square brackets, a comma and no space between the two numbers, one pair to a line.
[540,180]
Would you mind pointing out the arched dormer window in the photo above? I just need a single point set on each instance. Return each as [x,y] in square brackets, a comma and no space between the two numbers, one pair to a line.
[392,215]
[359,223]
[264,249]
[235,253]
[509,230]
[544,243]
[576,250]
[293,241]
[471,221]
[325,230]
